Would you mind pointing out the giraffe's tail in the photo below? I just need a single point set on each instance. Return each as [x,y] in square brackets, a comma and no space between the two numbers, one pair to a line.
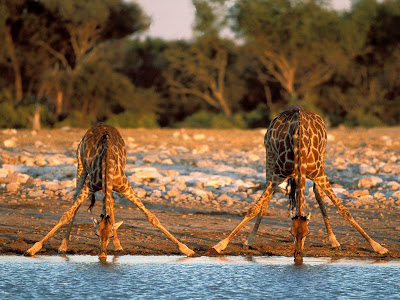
[108,165]
[300,166]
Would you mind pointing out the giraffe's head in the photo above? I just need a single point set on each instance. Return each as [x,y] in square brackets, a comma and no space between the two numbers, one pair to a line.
[105,231]
[299,231]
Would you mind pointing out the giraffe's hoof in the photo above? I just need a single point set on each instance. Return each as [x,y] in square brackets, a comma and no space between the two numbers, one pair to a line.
[384,251]
[63,247]
[32,250]
[379,249]
[246,246]
[212,251]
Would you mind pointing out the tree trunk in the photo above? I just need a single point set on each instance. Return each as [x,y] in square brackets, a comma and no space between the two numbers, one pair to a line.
[36,118]
[225,107]
[15,64]
[59,103]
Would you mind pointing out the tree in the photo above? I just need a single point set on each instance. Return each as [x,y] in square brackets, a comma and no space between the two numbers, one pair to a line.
[366,92]
[87,25]
[199,69]
[296,42]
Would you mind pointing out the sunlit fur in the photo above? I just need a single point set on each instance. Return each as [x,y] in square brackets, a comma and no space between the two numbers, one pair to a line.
[295,145]
[105,231]
[102,158]
[299,231]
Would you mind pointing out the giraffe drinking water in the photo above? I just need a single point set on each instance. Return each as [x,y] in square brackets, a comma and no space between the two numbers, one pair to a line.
[101,158]
[295,147]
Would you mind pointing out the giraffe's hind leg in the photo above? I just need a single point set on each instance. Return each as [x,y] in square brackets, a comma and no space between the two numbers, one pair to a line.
[64,244]
[82,176]
[331,237]
[323,182]
[251,213]
[128,192]
[250,239]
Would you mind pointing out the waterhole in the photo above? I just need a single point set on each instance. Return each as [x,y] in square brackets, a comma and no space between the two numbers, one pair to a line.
[177,277]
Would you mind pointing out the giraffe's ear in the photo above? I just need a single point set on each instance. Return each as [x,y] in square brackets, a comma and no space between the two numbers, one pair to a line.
[308,217]
[95,223]
[116,225]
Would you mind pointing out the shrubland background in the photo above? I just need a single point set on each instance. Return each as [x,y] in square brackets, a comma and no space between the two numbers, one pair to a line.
[74,62]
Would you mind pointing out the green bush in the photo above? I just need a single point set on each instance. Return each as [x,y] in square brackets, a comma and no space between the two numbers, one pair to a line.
[11,117]
[76,119]
[130,119]
[259,117]
[204,119]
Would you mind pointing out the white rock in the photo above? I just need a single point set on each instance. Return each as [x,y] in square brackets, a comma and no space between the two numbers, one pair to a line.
[52,185]
[379,195]
[205,195]
[38,144]
[12,168]
[167,161]
[393,185]
[10,131]
[199,137]
[359,193]
[141,193]
[205,163]
[36,193]
[10,143]
[173,193]
[253,157]
[151,159]
[156,194]
[146,173]
[217,181]
[369,181]
[13,186]
[202,149]
[225,199]
[396,195]
[18,177]
[366,169]
[171,173]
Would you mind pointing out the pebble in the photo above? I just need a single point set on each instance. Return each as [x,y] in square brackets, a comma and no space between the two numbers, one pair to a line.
[189,170]
[13,187]
[369,181]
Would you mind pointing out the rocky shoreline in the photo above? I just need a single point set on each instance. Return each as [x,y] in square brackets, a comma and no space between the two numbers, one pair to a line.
[213,171]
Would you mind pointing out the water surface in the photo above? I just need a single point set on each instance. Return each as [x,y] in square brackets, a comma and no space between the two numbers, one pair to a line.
[177,277]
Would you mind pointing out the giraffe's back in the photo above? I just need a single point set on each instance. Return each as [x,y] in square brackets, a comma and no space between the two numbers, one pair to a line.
[92,152]
[282,135]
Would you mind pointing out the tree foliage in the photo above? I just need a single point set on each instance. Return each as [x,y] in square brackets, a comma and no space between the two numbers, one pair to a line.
[76,62]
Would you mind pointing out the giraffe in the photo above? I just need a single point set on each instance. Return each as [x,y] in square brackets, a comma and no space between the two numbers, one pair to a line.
[295,147]
[101,156]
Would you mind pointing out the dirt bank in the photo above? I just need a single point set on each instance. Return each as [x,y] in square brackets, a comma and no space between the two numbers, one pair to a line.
[203,182]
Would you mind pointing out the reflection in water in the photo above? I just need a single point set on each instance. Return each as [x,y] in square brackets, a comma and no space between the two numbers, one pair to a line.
[104,262]
[178,277]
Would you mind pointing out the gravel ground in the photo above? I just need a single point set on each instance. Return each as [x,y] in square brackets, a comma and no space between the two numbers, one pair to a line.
[199,183]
